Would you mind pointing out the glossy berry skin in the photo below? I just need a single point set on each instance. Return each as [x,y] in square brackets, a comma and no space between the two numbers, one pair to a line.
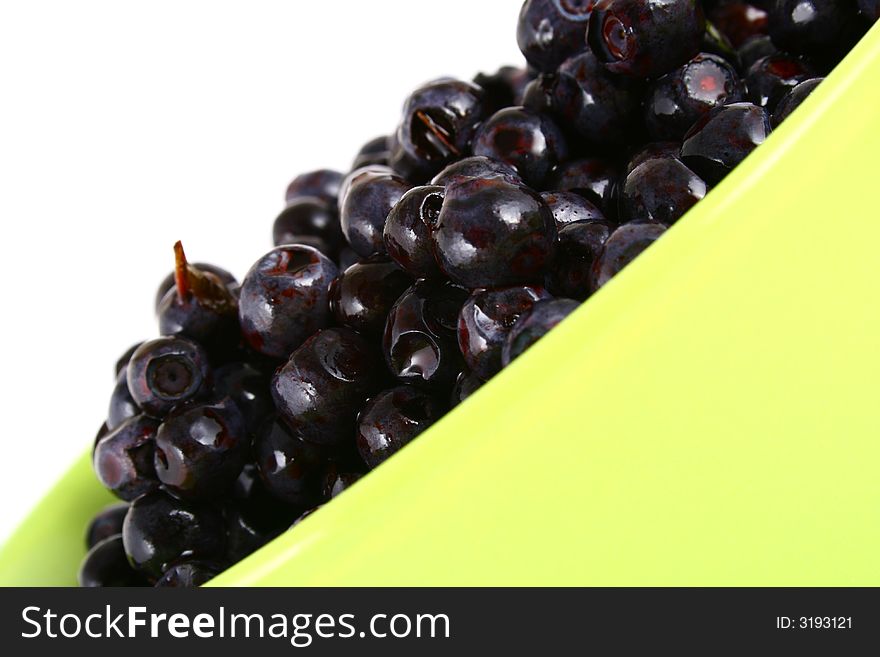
[122,404]
[161,530]
[568,208]
[168,282]
[407,231]
[526,140]
[392,419]
[122,363]
[375,151]
[645,38]
[754,49]
[363,173]
[290,468]
[577,247]
[319,391]
[106,565]
[723,138]
[248,388]
[107,523]
[466,384]
[660,190]
[123,459]
[188,575]
[323,184]
[366,205]
[420,344]
[165,372]
[601,107]
[502,88]
[593,178]
[770,78]
[476,166]
[870,9]
[363,294]
[621,248]
[491,233]
[485,320]
[438,123]
[679,98]
[550,31]
[335,482]
[792,100]
[538,94]
[654,150]
[284,299]
[534,324]
[738,20]
[201,449]
[813,27]
[311,221]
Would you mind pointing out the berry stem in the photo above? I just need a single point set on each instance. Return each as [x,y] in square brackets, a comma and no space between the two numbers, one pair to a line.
[181,271]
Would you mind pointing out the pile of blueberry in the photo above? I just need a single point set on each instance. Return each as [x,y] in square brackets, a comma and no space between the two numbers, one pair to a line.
[395,290]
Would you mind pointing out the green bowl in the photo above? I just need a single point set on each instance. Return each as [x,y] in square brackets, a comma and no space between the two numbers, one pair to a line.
[708,418]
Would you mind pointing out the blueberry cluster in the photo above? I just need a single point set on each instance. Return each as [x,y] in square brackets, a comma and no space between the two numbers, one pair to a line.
[395,290]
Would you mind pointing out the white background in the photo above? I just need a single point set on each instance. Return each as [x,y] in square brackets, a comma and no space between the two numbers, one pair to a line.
[126,126]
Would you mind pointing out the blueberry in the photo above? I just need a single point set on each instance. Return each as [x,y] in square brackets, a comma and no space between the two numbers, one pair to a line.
[814,27]
[652,151]
[420,343]
[679,98]
[771,77]
[392,419]
[375,151]
[533,324]
[621,248]
[601,107]
[347,257]
[362,173]
[466,384]
[367,203]
[284,299]
[660,190]
[170,280]
[323,183]
[491,233]
[754,49]
[363,294]
[106,565]
[476,166]
[538,94]
[122,362]
[737,20]
[485,320]
[319,391]
[792,100]
[107,523]
[188,574]
[577,247]
[123,459]
[549,31]
[593,178]
[870,9]
[248,387]
[122,404]
[290,468]
[165,372]
[161,530]
[527,140]
[199,306]
[335,482]
[311,221]
[723,138]
[438,123]
[201,449]
[504,87]
[407,232]
[568,208]
[645,38]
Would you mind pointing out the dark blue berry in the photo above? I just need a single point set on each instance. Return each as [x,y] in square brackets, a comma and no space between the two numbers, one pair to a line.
[123,459]
[122,363]
[771,77]
[754,49]
[569,207]
[550,31]
[621,248]
[323,183]
[792,100]
[311,221]
[363,294]
[391,419]
[335,482]
[319,391]
[534,324]
[466,384]
[813,27]
[577,247]
[407,232]
[171,279]
[188,575]
[165,372]
[122,404]
[108,522]
[106,565]
[504,87]
[593,178]
[660,190]
[290,468]
[248,387]
[476,166]
[870,9]
[284,299]
[491,233]
[367,203]
[723,138]
[654,150]
[737,20]
[375,151]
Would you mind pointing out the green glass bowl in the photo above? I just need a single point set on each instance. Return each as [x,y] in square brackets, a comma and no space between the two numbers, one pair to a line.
[708,418]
